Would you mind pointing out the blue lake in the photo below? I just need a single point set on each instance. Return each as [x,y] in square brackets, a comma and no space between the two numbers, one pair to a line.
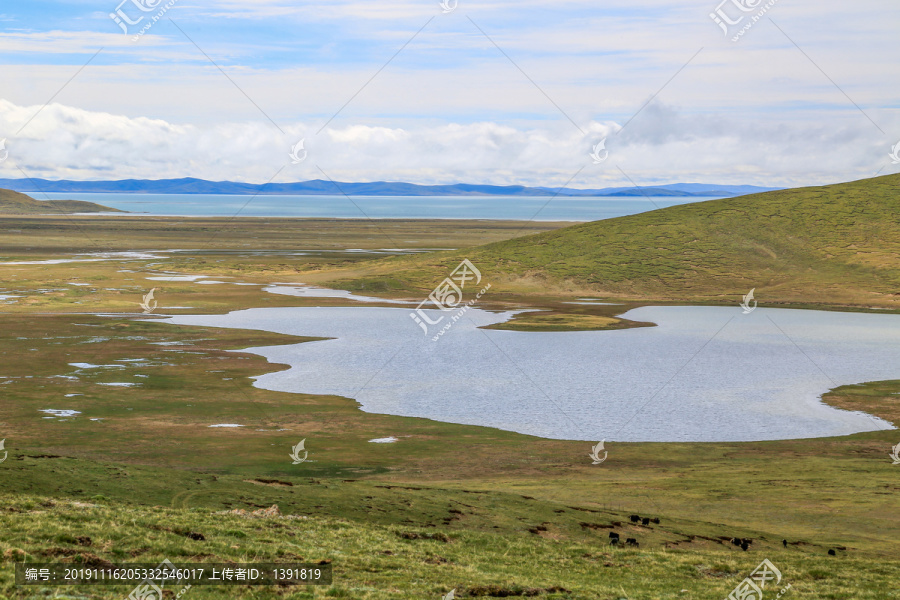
[540,208]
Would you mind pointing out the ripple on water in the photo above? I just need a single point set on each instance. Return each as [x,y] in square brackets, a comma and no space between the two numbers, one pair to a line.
[703,374]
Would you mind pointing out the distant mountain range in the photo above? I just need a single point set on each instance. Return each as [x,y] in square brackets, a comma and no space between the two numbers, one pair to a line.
[318,187]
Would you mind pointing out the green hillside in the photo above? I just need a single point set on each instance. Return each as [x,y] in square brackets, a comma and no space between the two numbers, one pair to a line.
[835,244]
[16,203]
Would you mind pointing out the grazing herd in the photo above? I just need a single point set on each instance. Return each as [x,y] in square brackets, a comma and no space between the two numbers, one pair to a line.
[615,540]
[644,520]
[742,543]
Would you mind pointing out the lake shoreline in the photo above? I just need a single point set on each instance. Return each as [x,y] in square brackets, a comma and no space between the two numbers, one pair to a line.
[375,399]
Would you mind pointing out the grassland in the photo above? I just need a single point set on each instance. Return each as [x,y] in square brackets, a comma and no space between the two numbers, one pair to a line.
[487,512]
[248,237]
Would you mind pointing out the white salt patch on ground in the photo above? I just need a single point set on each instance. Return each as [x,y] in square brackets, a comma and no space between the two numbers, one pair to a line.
[73,395]
[75,283]
[226,425]
[387,440]
[60,412]
[90,366]
[118,384]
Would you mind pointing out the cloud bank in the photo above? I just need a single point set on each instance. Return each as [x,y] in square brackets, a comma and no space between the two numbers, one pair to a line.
[663,145]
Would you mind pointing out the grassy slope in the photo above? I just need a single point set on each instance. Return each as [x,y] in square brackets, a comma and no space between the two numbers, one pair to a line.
[837,244]
[15,203]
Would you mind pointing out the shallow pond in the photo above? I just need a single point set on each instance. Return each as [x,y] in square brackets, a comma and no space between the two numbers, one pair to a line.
[703,374]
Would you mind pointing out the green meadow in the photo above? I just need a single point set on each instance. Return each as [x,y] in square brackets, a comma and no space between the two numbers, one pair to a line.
[139,476]
[834,245]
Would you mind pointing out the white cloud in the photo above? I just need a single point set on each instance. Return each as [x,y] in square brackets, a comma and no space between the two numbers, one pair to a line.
[664,146]
[59,42]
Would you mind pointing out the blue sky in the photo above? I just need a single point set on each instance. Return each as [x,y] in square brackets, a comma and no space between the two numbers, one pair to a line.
[807,95]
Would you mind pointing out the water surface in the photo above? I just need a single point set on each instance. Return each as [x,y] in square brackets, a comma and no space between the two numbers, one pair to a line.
[539,208]
[704,374]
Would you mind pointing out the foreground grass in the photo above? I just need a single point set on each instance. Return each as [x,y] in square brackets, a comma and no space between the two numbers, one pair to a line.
[373,561]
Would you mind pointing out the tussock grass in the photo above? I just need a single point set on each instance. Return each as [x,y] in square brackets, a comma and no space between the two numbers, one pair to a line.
[372,562]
